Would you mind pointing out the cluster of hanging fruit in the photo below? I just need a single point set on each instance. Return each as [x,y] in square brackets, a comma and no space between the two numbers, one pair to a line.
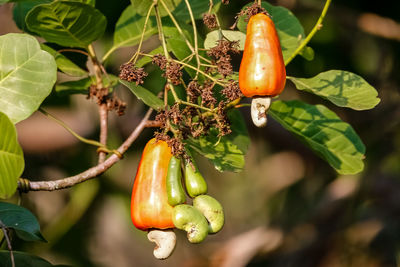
[159,201]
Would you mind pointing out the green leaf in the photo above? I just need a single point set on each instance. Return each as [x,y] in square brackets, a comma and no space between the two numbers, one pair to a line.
[63,63]
[81,86]
[27,75]
[323,131]
[289,29]
[21,9]
[198,9]
[342,88]
[228,153]
[75,87]
[21,220]
[142,6]
[24,259]
[144,95]
[213,37]
[11,158]
[129,28]
[66,23]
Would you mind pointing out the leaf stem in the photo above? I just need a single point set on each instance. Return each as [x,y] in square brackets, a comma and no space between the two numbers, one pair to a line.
[66,127]
[178,27]
[317,27]
[4,229]
[136,55]
[196,47]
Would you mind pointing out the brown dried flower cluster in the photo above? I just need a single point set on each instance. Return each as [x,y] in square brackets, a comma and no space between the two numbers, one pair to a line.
[225,2]
[160,61]
[131,73]
[172,69]
[223,124]
[173,72]
[210,20]
[104,97]
[232,91]
[252,10]
[221,55]
[207,96]
[193,90]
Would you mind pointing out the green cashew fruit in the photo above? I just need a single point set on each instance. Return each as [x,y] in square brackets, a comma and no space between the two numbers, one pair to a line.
[212,210]
[194,181]
[189,219]
[175,192]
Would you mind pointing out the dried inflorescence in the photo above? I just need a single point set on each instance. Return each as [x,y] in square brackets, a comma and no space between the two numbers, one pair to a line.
[129,72]
[160,61]
[193,91]
[221,55]
[223,124]
[207,96]
[103,96]
[210,20]
[173,73]
[223,47]
[225,2]
[252,10]
[232,91]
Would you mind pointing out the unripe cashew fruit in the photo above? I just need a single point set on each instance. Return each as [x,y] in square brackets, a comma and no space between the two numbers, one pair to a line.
[189,219]
[165,242]
[175,192]
[212,210]
[194,181]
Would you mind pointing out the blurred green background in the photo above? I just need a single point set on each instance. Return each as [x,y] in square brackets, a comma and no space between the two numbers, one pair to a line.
[287,208]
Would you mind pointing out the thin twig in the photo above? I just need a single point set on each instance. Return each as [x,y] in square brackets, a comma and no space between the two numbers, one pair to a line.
[177,26]
[4,229]
[94,171]
[136,56]
[317,27]
[73,50]
[196,46]
[103,110]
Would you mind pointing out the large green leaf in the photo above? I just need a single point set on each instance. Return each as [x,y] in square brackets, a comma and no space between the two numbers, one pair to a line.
[11,158]
[198,9]
[289,29]
[64,64]
[21,220]
[21,9]
[67,23]
[324,132]
[142,6]
[27,75]
[213,37]
[24,259]
[144,95]
[342,88]
[129,28]
[228,153]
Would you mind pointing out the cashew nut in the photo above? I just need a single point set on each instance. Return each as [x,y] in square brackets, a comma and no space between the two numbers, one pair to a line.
[165,242]
[189,219]
[212,210]
[259,108]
